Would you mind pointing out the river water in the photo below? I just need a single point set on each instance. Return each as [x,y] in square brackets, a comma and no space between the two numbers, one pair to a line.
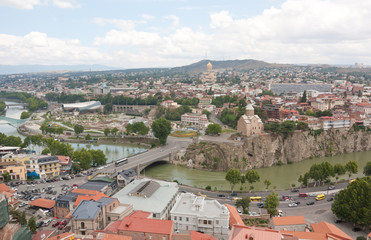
[112,151]
[281,177]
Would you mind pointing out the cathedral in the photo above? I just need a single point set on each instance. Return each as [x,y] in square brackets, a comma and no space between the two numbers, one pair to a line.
[249,124]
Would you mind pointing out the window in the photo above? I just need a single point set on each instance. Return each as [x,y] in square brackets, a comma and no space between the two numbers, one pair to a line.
[199,221]
[205,221]
[174,217]
[180,218]
[163,237]
[187,219]
[82,225]
[209,222]
[150,237]
[109,218]
[216,221]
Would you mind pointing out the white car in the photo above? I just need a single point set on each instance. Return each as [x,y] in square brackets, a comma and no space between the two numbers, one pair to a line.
[293,205]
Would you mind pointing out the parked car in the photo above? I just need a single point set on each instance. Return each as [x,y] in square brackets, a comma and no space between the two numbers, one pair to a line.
[55,224]
[303,195]
[295,190]
[47,222]
[331,187]
[356,229]
[39,224]
[260,205]
[297,202]
[338,221]
[64,223]
[330,199]
[293,205]
[75,185]
[310,203]
[221,195]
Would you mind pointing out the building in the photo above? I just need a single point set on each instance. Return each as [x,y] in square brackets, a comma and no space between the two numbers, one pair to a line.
[209,75]
[125,177]
[169,104]
[8,194]
[334,122]
[82,107]
[65,163]
[272,110]
[289,223]
[234,216]
[42,203]
[194,119]
[92,215]
[49,166]
[156,197]
[100,183]
[140,226]
[250,124]
[204,102]
[4,210]
[192,212]
[240,232]
[16,170]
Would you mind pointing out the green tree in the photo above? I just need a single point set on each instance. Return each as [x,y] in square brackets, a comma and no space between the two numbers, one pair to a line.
[25,115]
[213,129]
[107,131]
[339,170]
[138,127]
[367,169]
[351,167]
[78,129]
[233,176]
[267,183]
[252,176]
[98,157]
[244,203]
[83,157]
[32,224]
[304,97]
[271,203]
[6,176]
[88,137]
[23,220]
[114,131]
[46,151]
[353,203]
[161,129]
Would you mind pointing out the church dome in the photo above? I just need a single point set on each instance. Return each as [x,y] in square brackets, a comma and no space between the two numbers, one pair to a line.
[209,66]
[249,107]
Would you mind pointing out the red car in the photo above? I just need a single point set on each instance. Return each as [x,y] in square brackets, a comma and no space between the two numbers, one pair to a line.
[63,223]
[75,185]
[60,227]
[55,224]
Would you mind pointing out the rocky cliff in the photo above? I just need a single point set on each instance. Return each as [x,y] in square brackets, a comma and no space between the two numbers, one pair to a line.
[268,149]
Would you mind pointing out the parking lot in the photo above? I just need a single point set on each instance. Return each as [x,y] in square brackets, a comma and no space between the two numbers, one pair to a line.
[46,189]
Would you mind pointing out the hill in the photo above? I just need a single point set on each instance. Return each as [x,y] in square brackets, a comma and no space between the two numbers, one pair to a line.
[238,65]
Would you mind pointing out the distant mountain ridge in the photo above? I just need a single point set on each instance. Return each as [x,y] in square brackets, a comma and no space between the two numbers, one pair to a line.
[23,69]
[238,65]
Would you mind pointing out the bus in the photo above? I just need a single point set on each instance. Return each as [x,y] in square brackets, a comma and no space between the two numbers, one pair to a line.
[256,199]
[320,197]
[121,161]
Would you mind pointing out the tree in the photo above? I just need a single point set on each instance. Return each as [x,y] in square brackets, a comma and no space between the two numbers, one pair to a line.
[78,129]
[83,157]
[138,127]
[32,224]
[271,203]
[244,203]
[23,220]
[351,167]
[114,131]
[252,176]
[304,97]
[339,170]
[213,129]
[161,129]
[233,176]
[367,169]
[353,203]
[6,176]
[267,183]
[25,115]
[98,157]
[88,137]
[107,131]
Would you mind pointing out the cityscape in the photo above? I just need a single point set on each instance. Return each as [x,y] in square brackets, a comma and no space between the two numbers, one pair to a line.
[143,123]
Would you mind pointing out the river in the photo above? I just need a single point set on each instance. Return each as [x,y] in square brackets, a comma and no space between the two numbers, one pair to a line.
[281,177]
[112,151]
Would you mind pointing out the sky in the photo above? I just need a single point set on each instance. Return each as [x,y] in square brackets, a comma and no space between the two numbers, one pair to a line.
[169,33]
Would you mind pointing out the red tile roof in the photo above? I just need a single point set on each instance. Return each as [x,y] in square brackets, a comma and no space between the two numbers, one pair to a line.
[200,236]
[234,216]
[134,224]
[108,236]
[244,232]
[43,203]
[289,220]
[88,197]
[330,229]
[113,227]
[4,188]
[140,214]
[38,235]
[306,235]
[85,191]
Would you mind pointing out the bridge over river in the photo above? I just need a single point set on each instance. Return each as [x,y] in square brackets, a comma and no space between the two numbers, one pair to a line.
[11,121]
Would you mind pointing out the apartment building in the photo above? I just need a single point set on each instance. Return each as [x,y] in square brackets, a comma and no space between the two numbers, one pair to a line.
[16,170]
[194,119]
[334,122]
[50,166]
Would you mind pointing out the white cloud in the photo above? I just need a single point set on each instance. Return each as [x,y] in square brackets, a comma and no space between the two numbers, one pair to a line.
[20,4]
[147,17]
[66,3]
[174,19]
[119,23]
[38,48]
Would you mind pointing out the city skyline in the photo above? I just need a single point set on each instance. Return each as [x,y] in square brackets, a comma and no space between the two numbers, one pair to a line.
[168,33]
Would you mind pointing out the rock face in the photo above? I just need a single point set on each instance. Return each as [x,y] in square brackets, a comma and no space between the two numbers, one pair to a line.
[268,149]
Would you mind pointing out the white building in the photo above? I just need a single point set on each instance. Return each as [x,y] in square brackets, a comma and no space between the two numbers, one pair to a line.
[156,197]
[193,212]
[194,119]
[334,122]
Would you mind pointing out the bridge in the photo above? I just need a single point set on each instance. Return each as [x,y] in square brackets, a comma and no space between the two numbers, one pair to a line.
[12,121]
[24,105]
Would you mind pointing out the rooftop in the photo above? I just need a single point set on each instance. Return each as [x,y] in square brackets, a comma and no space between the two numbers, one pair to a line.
[87,210]
[43,203]
[146,225]
[158,200]
[288,220]
[330,229]
[244,232]
[234,216]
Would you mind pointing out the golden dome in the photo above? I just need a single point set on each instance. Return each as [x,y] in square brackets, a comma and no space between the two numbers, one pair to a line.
[209,66]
